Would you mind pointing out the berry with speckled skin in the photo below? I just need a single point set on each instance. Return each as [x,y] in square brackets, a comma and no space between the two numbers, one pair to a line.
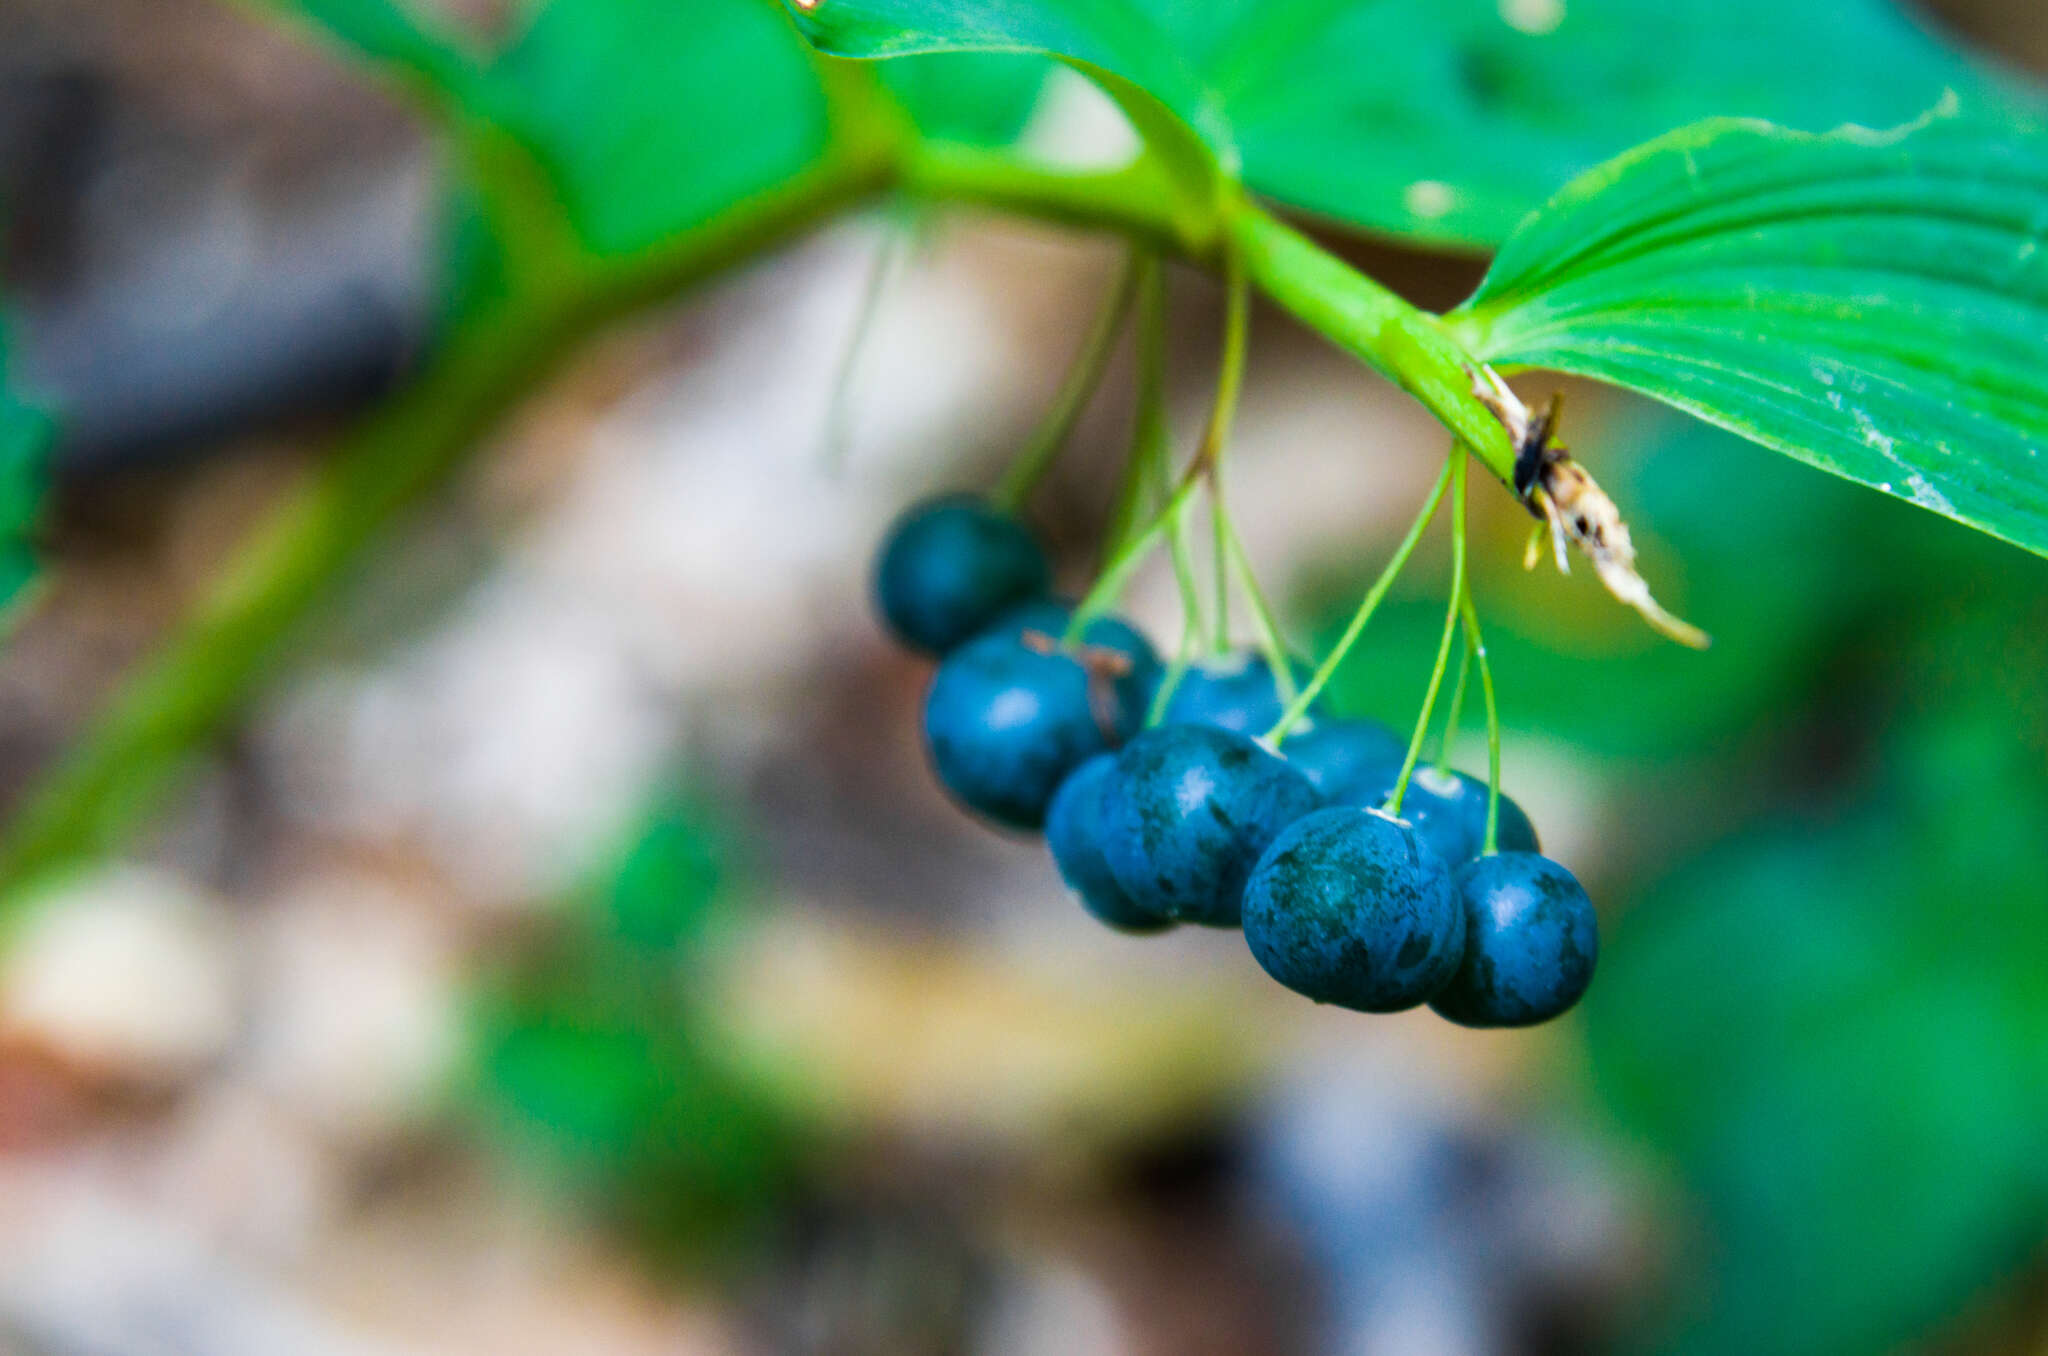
[1339,755]
[1233,692]
[950,567]
[1352,907]
[1073,830]
[1188,812]
[1010,714]
[1449,810]
[1530,945]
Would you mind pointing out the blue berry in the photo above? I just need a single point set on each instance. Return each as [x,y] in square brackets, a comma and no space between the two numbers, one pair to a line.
[1049,617]
[1531,942]
[1073,830]
[1010,714]
[952,566]
[1340,755]
[1188,812]
[1352,907]
[1233,692]
[1448,809]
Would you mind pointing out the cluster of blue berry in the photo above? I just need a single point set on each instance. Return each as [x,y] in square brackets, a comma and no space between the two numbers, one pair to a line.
[1162,806]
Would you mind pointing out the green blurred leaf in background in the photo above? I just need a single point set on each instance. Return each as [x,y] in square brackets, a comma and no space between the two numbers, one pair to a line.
[1832,1026]
[595,1065]
[981,98]
[26,434]
[1446,123]
[648,117]
[651,118]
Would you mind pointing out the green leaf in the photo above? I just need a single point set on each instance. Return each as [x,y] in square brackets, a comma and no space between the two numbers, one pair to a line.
[648,117]
[653,117]
[26,433]
[1844,1067]
[982,98]
[1875,304]
[391,34]
[1443,122]
[1138,62]
[662,897]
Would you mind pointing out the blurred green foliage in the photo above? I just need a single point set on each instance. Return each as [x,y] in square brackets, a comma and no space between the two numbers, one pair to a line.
[647,118]
[25,434]
[594,1065]
[982,98]
[650,118]
[1826,1016]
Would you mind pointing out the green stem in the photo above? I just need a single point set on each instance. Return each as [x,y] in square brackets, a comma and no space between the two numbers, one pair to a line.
[1169,682]
[1271,644]
[1148,425]
[1042,449]
[1182,554]
[1159,455]
[93,797]
[1219,565]
[1216,435]
[1443,649]
[839,407]
[1230,367]
[1116,575]
[1456,712]
[1138,202]
[1477,644]
[1356,626]
[1410,346]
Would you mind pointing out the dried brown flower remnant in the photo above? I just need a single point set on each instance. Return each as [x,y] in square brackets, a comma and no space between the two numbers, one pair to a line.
[1105,668]
[1564,494]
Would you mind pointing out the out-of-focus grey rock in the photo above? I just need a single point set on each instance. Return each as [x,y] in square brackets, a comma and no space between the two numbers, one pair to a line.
[181,269]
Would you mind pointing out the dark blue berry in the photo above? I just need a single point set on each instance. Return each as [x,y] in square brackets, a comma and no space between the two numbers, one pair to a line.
[1530,946]
[1073,830]
[1449,810]
[1338,756]
[1188,812]
[950,567]
[1010,714]
[1233,692]
[1351,907]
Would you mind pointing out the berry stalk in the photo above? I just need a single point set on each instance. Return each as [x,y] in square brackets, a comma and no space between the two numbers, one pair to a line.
[1443,649]
[1370,604]
[1477,644]
[1043,448]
